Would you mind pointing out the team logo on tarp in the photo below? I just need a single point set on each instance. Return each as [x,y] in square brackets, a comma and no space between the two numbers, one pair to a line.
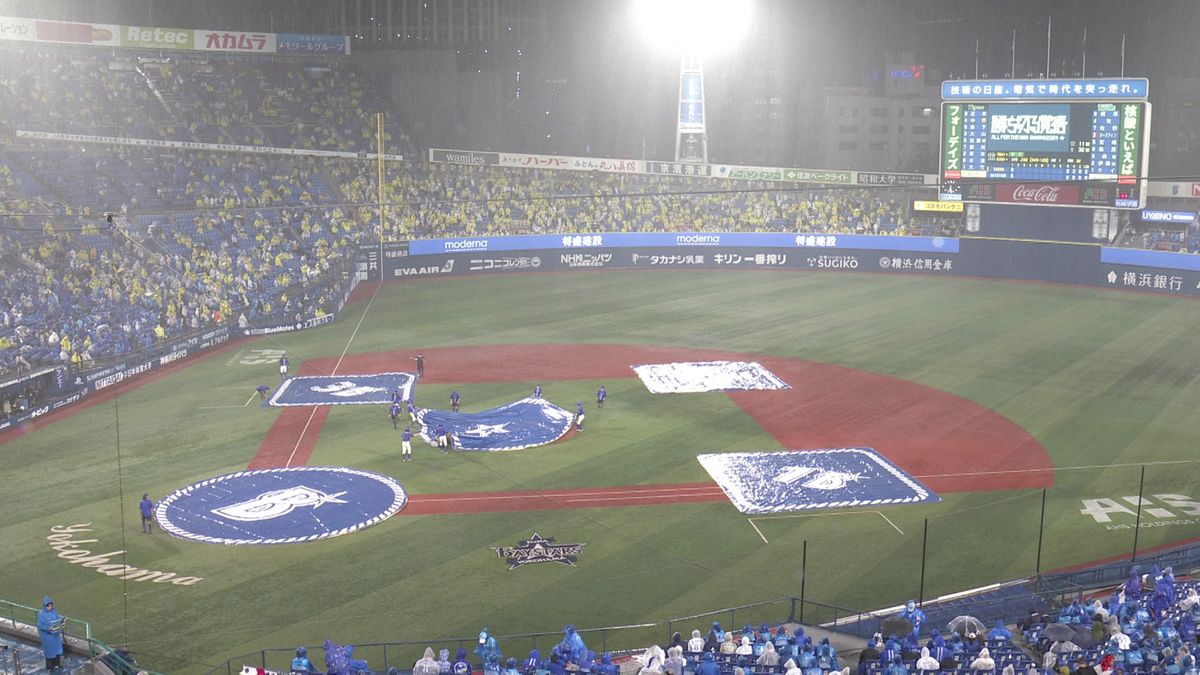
[280,506]
[276,503]
[343,389]
[538,549]
[693,377]
[521,424]
[775,482]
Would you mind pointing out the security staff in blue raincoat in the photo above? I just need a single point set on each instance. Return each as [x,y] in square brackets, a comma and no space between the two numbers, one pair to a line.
[50,626]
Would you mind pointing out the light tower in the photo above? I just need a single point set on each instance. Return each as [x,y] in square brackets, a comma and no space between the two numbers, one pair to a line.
[693,29]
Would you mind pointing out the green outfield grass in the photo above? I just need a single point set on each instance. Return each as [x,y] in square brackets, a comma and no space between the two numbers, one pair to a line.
[1099,378]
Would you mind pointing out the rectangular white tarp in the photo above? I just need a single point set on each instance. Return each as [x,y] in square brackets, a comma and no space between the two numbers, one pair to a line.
[685,378]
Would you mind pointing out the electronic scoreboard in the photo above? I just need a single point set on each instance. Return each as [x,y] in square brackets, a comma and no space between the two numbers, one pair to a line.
[1048,151]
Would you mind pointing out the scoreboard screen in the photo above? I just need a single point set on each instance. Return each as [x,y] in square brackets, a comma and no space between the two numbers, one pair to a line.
[1066,153]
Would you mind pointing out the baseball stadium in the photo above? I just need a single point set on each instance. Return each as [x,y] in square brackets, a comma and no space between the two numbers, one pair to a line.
[721,337]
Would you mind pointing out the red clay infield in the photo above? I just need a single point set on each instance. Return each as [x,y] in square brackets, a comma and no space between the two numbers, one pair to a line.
[949,443]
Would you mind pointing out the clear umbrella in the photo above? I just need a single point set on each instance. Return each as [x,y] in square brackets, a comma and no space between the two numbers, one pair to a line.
[965,625]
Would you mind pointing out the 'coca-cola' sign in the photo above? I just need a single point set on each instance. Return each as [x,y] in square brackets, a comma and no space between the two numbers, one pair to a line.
[1038,193]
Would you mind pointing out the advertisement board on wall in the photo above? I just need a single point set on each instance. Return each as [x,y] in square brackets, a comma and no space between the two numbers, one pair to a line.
[680,239]
[211,40]
[300,43]
[157,37]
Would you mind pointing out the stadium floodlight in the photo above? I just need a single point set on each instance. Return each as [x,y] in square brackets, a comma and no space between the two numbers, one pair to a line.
[693,27]
[692,30]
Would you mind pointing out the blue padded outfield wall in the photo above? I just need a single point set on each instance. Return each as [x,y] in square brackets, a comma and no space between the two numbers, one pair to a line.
[990,256]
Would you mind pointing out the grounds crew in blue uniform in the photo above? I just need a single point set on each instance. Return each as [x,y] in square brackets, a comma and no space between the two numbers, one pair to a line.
[537,391]
[420,359]
[394,413]
[283,367]
[579,416]
[147,508]
[50,626]
[454,399]
[406,445]
[601,394]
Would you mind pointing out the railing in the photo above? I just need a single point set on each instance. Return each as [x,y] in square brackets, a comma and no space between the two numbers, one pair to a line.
[614,639]
[14,614]
[116,660]
[75,632]
[1056,585]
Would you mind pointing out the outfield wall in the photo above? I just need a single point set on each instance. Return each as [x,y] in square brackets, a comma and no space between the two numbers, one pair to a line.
[1078,263]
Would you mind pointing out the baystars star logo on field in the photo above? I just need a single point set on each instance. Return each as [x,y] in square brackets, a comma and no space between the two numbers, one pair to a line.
[538,549]
[280,506]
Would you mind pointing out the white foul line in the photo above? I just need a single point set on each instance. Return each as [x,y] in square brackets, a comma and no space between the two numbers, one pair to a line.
[889,522]
[814,515]
[760,534]
[337,365]
[223,407]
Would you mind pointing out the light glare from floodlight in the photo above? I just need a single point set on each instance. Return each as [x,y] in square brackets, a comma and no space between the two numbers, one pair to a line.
[694,27]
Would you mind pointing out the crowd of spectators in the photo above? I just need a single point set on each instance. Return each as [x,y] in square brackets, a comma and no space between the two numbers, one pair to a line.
[253,241]
[324,104]
[446,200]
[1146,626]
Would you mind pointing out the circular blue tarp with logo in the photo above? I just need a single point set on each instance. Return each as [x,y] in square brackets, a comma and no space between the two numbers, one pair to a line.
[280,506]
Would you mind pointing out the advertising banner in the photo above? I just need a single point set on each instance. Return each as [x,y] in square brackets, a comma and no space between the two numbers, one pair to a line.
[467,157]
[1038,194]
[877,178]
[78,33]
[234,41]
[152,37]
[604,164]
[1132,88]
[680,239]
[679,168]
[790,175]
[608,164]
[299,43]
[1182,217]
[157,38]
[944,207]
[16,28]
